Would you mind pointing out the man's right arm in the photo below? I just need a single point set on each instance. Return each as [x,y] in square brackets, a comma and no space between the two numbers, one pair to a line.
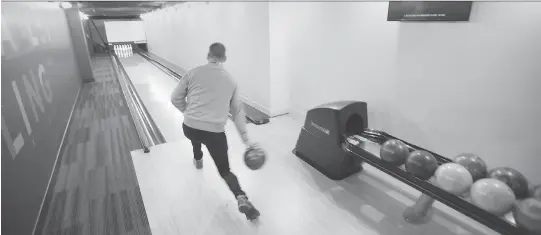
[236,110]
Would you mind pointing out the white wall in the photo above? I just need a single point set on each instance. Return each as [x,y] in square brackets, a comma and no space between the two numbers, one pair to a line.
[484,85]
[280,55]
[335,51]
[183,33]
[450,87]
[125,31]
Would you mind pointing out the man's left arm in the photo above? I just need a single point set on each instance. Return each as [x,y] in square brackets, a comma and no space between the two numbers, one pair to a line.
[178,97]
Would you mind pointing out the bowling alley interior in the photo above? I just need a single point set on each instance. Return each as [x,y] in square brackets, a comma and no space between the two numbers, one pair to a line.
[373,118]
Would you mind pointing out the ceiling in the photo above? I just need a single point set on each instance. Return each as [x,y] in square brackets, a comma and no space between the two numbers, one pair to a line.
[120,9]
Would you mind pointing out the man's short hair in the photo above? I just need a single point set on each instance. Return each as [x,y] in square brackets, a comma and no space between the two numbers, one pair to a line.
[217,50]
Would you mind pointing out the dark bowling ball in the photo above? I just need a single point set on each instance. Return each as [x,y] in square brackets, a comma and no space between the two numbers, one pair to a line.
[394,152]
[254,157]
[421,164]
[514,179]
[527,214]
[536,191]
[475,165]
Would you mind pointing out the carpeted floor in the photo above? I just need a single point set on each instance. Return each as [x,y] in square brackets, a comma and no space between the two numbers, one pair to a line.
[95,190]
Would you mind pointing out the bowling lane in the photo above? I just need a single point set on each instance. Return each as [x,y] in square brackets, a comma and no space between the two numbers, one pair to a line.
[154,87]
[293,197]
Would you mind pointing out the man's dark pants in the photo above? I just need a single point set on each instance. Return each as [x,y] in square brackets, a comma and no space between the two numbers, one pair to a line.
[216,144]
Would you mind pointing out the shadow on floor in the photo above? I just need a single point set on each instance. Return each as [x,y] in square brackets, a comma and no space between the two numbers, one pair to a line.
[375,208]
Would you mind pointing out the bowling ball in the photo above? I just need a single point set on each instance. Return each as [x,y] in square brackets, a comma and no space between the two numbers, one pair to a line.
[394,152]
[421,164]
[536,191]
[527,215]
[453,178]
[493,196]
[254,157]
[475,165]
[514,179]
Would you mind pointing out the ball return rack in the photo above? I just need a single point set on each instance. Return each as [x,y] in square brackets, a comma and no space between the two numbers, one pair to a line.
[333,140]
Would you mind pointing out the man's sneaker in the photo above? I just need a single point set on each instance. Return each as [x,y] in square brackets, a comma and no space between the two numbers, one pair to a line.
[198,163]
[244,204]
[246,207]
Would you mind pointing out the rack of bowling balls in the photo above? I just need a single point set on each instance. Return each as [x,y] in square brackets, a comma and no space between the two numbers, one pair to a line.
[500,198]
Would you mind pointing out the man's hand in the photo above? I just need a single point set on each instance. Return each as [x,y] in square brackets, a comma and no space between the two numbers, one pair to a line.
[249,144]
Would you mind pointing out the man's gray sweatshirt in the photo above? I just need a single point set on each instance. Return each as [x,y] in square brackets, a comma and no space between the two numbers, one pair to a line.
[206,95]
